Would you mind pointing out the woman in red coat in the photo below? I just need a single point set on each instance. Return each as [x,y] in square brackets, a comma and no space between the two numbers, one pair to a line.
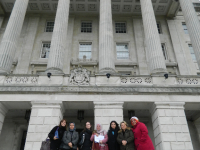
[142,140]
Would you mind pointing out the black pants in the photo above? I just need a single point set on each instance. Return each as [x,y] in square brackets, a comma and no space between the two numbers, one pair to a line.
[67,149]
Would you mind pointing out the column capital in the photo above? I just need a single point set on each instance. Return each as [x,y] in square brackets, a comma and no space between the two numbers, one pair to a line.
[110,105]
[167,105]
[48,104]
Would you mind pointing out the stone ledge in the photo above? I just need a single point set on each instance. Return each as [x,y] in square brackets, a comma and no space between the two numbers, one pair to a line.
[99,89]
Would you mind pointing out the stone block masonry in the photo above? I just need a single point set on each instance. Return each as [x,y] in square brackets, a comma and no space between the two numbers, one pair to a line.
[170,126]
[44,116]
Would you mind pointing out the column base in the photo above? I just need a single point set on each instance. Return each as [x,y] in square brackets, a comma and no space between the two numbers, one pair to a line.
[54,71]
[159,71]
[3,71]
[107,70]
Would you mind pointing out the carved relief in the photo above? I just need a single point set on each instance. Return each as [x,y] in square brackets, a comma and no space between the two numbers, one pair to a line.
[21,80]
[123,80]
[187,81]
[180,81]
[79,76]
[34,79]
[136,80]
[148,80]
[9,80]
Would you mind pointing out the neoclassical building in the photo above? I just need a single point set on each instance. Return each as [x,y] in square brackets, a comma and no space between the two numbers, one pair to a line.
[98,61]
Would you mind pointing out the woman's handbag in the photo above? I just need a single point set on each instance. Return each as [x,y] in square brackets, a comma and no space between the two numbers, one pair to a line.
[95,146]
[105,147]
[82,140]
[45,145]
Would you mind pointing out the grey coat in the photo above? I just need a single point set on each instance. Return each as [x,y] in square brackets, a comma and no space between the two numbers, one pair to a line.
[67,138]
[127,136]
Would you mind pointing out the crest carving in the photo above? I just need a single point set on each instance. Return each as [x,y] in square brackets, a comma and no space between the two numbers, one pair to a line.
[79,76]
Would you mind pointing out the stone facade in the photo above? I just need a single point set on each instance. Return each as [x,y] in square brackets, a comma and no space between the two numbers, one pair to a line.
[101,84]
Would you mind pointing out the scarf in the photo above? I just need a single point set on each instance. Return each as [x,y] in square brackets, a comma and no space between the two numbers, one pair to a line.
[101,132]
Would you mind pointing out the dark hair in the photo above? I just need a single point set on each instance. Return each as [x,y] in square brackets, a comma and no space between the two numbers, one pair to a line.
[86,128]
[117,125]
[62,121]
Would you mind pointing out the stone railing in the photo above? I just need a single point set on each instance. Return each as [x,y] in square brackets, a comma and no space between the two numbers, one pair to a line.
[136,80]
[25,80]
[9,80]
[188,81]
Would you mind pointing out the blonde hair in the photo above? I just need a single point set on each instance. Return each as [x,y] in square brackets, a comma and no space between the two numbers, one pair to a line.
[124,123]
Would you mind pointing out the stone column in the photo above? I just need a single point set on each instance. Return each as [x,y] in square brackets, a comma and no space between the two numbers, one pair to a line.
[12,33]
[197,125]
[3,111]
[59,38]
[23,65]
[106,43]
[170,126]
[193,26]
[139,40]
[153,44]
[105,112]
[44,116]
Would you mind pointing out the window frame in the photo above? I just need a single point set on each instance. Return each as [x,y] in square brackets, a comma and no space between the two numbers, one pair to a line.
[125,28]
[45,30]
[86,22]
[44,42]
[158,23]
[86,51]
[190,45]
[165,53]
[184,29]
[121,43]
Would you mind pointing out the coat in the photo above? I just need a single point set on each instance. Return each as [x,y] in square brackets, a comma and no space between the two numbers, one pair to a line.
[87,145]
[127,136]
[142,139]
[112,140]
[67,138]
[55,144]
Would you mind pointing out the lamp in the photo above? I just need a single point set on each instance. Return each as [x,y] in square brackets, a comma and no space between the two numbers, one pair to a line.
[27,115]
[131,113]
[166,76]
[49,75]
[80,115]
[108,75]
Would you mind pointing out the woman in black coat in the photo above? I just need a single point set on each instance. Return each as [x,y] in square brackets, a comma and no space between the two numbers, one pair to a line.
[87,132]
[112,136]
[56,141]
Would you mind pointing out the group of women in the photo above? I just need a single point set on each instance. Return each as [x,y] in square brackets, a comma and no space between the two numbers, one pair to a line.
[126,138]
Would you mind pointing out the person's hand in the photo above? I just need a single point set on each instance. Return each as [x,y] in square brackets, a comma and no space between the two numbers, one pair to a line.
[96,134]
[124,142]
[70,144]
[100,142]
[55,138]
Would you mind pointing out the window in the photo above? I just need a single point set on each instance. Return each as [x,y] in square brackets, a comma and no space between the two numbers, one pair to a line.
[159,28]
[164,51]
[49,26]
[197,6]
[45,50]
[122,51]
[185,28]
[192,53]
[86,27]
[85,49]
[120,27]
